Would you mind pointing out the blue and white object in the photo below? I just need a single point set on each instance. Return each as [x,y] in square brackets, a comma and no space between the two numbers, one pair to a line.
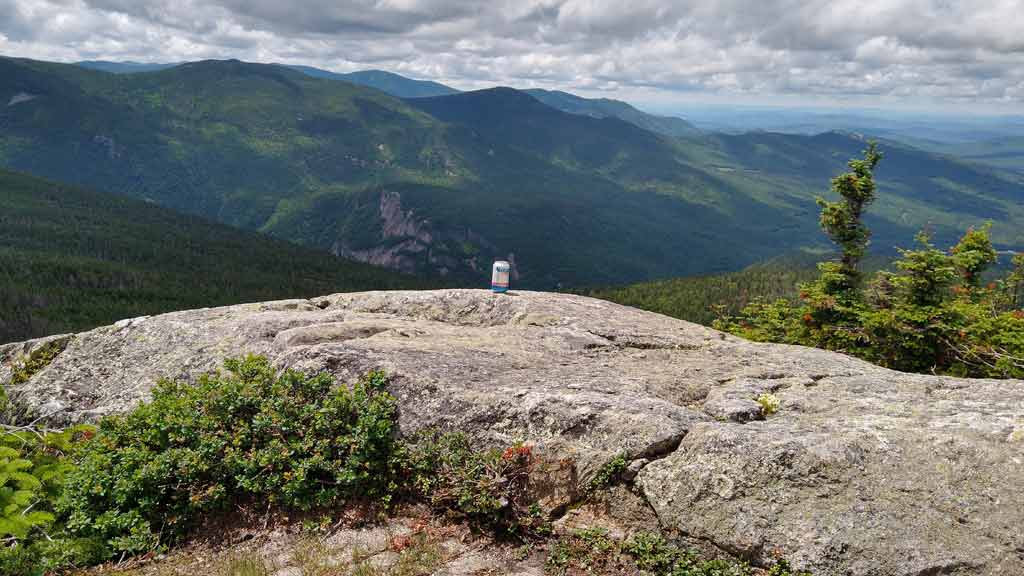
[499,276]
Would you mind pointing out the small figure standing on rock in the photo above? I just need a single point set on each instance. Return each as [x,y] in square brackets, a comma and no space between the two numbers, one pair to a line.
[500,276]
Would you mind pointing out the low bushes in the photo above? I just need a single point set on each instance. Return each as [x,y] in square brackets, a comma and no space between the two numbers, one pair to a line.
[245,437]
[145,479]
[488,487]
[294,441]
[33,468]
[933,315]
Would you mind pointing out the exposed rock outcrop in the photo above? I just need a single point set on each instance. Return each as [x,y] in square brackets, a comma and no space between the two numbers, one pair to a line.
[862,471]
[410,243]
[406,238]
[21,97]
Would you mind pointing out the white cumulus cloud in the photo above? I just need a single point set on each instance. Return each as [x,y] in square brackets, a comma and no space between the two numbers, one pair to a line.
[944,51]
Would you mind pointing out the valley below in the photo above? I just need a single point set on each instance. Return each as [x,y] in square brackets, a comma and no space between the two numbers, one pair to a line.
[581,192]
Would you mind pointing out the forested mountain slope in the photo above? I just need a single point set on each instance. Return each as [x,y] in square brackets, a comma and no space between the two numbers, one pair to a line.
[388,82]
[404,87]
[608,108]
[446,184]
[72,259]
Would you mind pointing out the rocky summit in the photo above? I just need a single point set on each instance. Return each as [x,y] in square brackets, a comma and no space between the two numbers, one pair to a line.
[859,471]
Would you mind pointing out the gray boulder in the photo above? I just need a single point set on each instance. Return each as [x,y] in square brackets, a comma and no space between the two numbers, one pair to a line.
[862,471]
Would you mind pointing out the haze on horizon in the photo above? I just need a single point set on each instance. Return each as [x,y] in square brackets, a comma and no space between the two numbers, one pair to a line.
[922,55]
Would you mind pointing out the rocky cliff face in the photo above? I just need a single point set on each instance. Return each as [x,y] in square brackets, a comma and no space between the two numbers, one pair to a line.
[412,244]
[862,471]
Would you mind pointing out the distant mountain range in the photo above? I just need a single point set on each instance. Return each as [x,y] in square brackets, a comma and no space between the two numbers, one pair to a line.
[606,108]
[1003,152]
[393,84]
[388,82]
[445,184]
[403,87]
[124,67]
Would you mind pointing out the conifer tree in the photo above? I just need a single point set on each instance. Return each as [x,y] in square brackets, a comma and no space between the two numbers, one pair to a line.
[931,315]
[1015,282]
[974,254]
[842,219]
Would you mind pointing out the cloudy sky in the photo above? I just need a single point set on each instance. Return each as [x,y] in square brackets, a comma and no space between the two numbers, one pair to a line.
[963,54]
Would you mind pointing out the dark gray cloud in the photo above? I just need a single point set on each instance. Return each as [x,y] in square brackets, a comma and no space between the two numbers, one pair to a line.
[938,51]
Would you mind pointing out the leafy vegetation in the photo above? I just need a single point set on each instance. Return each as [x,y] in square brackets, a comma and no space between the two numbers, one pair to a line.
[933,315]
[33,467]
[246,436]
[609,473]
[588,551]
[146,479]
[294,441]
[703,299]
[487,487]
[72,259]
[250,437]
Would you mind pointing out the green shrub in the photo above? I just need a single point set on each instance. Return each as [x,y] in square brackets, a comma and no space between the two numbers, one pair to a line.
[250,436]
[246,436]
[291,440]
[20,490]
[588,551]
[654,555]
[609,473]
[932,315]
[33,466]
[488,487]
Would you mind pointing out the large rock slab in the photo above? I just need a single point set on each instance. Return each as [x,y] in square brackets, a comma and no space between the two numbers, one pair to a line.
[862,471]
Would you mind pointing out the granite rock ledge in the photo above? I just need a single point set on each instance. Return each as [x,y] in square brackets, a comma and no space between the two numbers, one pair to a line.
[863,471]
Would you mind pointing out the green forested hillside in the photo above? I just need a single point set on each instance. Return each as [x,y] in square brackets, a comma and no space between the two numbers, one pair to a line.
[919,189]
[447,184]
[702,299]
[514,118]
[393,84]
[122,67]
[404,87]
[1005,152]
[310,160]
[607,108]
[763,183]
[72,259]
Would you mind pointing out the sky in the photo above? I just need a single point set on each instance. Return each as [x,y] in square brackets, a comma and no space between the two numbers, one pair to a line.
[915,54]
